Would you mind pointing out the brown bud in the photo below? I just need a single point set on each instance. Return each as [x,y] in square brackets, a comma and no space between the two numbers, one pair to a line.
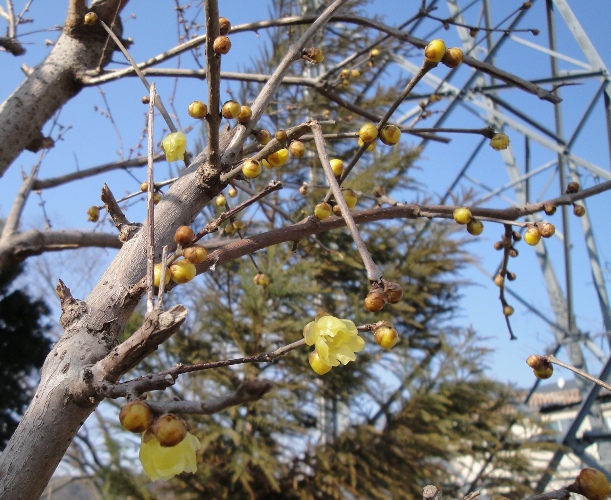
[145,99]
[195,254]
[541,366]
[392,291]
[452,57]
[516,236]
[375,300]
[498,245]
[136,416]
[222,45]
[281,135]
[337,210]
[513,252]
[224,25]
[592,484]
[579,210]
[169,430]
[549,209]
[572,187]
[184,235]
[511,276]
[499,280]
[546,229]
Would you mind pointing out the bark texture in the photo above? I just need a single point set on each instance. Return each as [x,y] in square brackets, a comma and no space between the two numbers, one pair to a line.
[53,82]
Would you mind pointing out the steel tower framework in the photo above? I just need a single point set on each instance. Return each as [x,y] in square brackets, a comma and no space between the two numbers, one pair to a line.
[491,103]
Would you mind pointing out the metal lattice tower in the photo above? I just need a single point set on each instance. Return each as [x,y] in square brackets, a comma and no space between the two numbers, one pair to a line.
[489,102]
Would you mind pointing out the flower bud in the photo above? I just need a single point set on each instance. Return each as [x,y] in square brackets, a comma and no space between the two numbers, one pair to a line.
[182,271]
[251,168]
[231,109]
[337,210]
[90,18]
[144,187]
[475,227]
[499,280]
[579,210]
[390,135]
[195,254]
[136,416]
[169,429]
[508,310]
[197,109]
[337,166]
[156,198]
[281,135]
[221,201]
[462,215]
[572,187]
[314,55]
[435,51]
[244,114]
[385,335]
[93,214]
[452,57]
[532,236]
[592,484]
[278,158]
[221,45]
[232,192]
[541,366]
[368,132]
[184,235]
[499,141]
[297,149]
[549,209]
[322,211]
[174,146]
[375,300]
[157,275]
[261,279]
[263,136]
[224,25]
[392,291]
[350,197]
[547,230]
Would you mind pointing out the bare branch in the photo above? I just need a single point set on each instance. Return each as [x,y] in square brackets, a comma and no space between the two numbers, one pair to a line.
[213,70]
[157,328]
[248,392]
[126,229]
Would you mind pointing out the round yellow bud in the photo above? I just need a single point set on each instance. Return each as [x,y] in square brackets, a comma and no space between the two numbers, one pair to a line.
[244,114]
[182,271]
[322,211]
[390,135]
[375,300]
[297,149]
[593,484]
[435,51]
[579,210]
[386,336]
[475,227]
[263,136]
[231,109]
[221,201]
[93,214]
[157,275]
[508,310]
[350,197]
[368,132]
[251,168]
[278,158]
[532,236]
[261,279]
[337,166]
[499,141]
[197,109]
[136,416]
[373,53]
[91,18]
[232,192]
[462,215]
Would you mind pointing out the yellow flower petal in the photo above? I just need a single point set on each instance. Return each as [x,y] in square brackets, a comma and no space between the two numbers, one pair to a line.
[174,146]
[335,340]
[310,332]
[166,462]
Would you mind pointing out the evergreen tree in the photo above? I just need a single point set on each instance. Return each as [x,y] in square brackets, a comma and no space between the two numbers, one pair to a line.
[23,347]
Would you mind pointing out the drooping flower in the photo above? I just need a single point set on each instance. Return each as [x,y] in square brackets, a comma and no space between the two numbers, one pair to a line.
[166,462]
[335,340]
[174,146]
[499,141]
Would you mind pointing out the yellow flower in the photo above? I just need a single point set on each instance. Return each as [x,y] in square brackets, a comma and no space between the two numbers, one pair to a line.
[336,340]
[499,141]
[174,146]
[165,462]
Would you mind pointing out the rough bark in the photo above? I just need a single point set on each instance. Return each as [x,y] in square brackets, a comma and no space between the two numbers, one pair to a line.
[53,82]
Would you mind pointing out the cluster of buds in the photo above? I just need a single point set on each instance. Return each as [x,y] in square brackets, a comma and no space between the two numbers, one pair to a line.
[345,76]
[436,52]
[378,296]
[592,484]
[222,44]
[572,188]
[234,110]
[462,215]
[542,368]
[313,55]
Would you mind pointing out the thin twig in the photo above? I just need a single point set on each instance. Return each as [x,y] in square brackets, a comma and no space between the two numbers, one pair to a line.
[374,274]
[150,206]
[581,373]
[213,75]
[162,274]
[158,102]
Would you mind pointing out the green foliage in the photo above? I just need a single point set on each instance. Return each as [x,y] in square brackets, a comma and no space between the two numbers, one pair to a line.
[23,348]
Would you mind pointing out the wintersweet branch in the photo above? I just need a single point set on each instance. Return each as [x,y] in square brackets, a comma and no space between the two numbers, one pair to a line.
[581,373]
[213,71]
[374,274]
[561,494]
[248,392]
[150,206]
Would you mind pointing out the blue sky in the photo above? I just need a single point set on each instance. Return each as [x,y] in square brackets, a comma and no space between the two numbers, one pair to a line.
[92,140]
